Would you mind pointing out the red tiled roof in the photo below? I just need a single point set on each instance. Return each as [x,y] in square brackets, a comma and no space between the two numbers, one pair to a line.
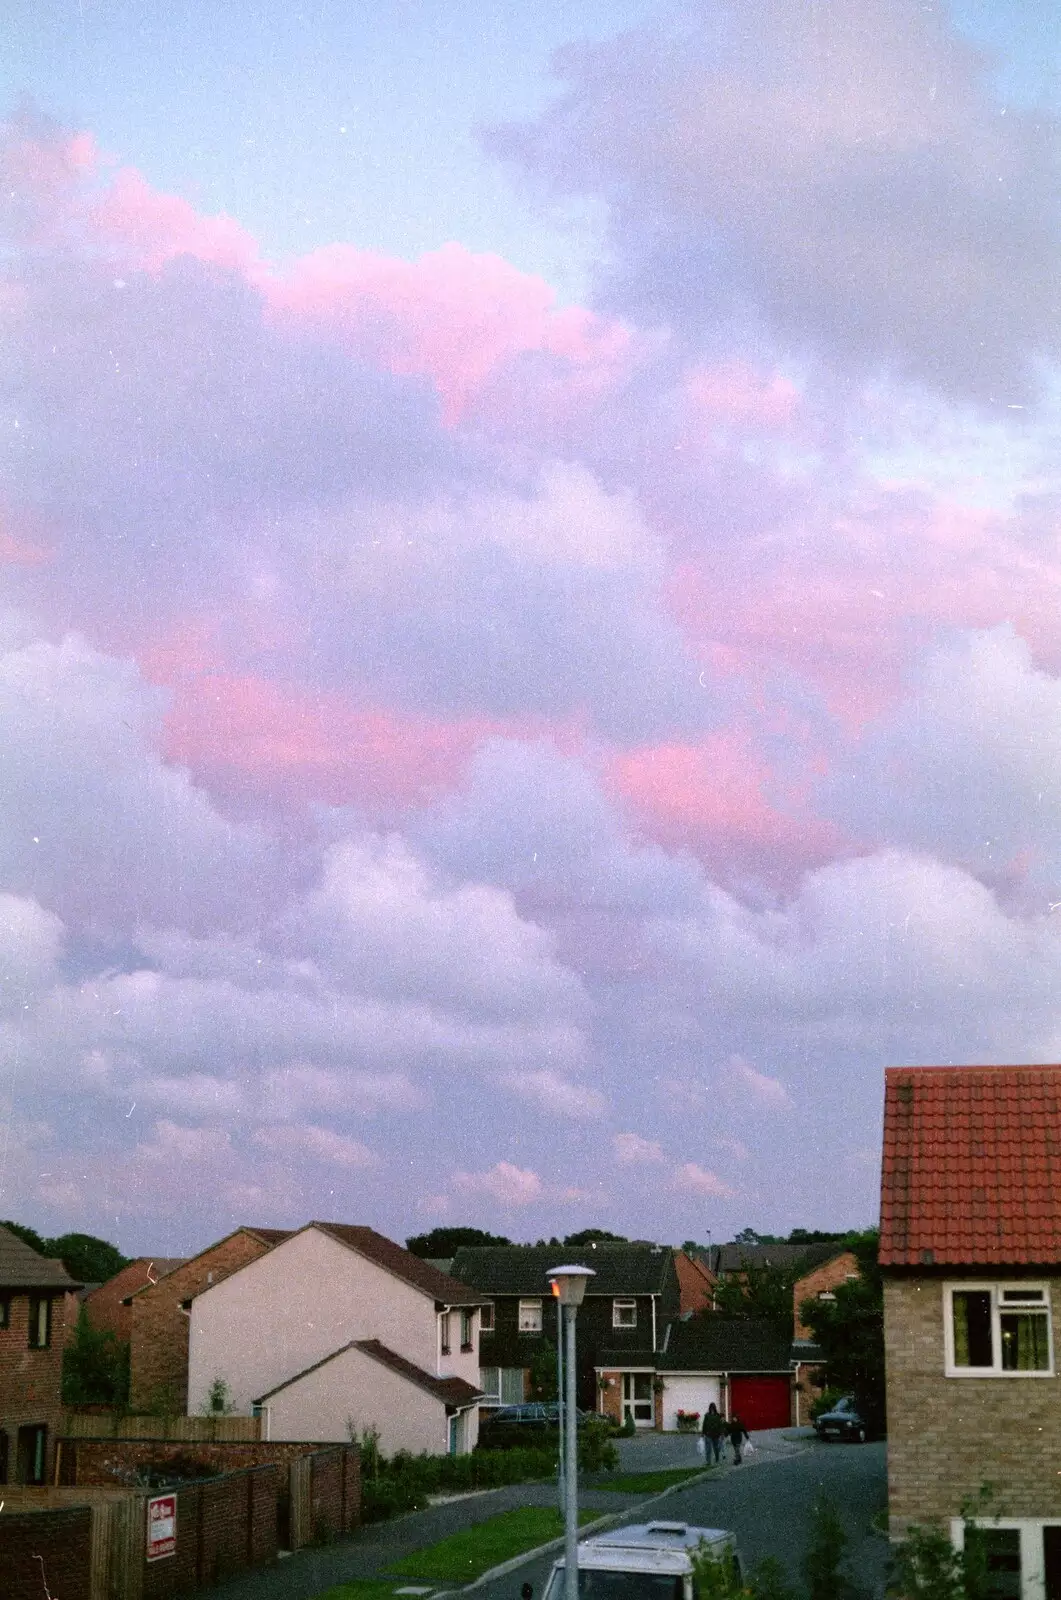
[971,1174]
[402,1263]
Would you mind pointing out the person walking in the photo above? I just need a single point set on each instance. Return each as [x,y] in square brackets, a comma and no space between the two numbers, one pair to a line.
[737,1435]
[713,1428]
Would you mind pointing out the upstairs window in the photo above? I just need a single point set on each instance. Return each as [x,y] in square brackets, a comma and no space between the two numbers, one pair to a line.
[530,1316]
[466,1330]
[486,1318]
[443,1323]
[998,1329]
[40,1322]
[624,1313]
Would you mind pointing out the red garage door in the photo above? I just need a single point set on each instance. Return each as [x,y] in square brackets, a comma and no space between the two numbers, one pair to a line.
[761,1402]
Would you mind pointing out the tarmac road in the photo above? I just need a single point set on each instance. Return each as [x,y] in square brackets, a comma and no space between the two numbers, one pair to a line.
[769,1505]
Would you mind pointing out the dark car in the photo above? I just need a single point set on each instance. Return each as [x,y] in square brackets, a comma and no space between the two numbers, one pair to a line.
[844,1421]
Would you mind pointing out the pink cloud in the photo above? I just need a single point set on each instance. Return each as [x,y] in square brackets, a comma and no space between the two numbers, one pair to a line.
[731,391]
[453,316]
[631,1150]
[711,798]
[152,228]
[246,730]
[697,1180]
[508,1184]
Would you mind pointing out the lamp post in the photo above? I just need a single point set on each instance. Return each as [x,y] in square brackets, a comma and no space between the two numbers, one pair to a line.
[569,1287]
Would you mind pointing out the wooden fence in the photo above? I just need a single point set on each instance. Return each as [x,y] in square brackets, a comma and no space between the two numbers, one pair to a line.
[189,1430]
[301,1505]
[116,1560]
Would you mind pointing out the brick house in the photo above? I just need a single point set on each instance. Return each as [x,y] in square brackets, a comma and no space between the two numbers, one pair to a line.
[158,1335]
[820,1283]
[970,1251]
[338,1328]
[37,1299]
[109,1305]
[633,1295]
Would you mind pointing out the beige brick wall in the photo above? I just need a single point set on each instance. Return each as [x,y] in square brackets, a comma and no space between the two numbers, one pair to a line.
[158,1341]
[948,1436]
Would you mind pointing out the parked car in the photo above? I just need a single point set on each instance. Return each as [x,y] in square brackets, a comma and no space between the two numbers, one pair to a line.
[844,1421]
[532,1414]
[648,1561]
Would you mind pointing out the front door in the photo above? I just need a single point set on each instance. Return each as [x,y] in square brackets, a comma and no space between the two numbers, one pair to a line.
[637,1398]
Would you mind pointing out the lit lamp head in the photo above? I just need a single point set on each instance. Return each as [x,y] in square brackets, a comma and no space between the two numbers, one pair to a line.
[569,1284]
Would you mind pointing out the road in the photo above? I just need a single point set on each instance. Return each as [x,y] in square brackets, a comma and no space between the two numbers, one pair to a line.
[769,1505]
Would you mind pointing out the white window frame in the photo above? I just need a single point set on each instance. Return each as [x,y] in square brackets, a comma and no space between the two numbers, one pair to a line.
[624,1305]
[996,1289]
[529,1310]
[486,1317]
[1032,1573]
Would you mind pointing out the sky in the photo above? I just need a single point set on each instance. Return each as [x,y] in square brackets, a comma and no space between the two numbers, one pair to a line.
[530,650]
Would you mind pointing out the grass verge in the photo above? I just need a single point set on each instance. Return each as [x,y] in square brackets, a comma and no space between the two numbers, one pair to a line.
[648,1482]
[363,1589]
[465,1556]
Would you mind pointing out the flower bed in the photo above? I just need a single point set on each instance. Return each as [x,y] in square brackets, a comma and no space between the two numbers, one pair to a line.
[688,1421]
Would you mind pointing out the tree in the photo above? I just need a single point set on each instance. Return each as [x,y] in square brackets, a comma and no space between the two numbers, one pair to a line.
[95,1366]
[595,1236]
[544,1373]
[441,1243]
[815,1236]
[850,1330]
[749,1236]
[87,1258]
[759,1290]
[823,1564]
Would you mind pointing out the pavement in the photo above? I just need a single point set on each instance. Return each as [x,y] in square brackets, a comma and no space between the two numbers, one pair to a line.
[379,1548]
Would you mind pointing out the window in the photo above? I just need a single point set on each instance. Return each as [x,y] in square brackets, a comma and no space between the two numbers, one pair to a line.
[466,1330]
[443,1323]
[512,1386]
[997,1329]
[486,1318]
[490,1384]
[5,1311]
[530,1316]
[624,1313]
[40,1322]
[32,1453]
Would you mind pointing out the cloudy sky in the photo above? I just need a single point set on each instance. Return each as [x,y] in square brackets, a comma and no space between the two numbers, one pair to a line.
[530,651]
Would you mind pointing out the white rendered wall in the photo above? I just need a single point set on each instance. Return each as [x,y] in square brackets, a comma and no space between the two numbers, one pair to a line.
[295,1305]
[353,1390]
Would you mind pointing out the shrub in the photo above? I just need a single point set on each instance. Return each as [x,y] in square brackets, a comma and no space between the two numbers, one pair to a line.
[823,1562]
[95,1366]
[389,1497]
[628,1428]
[825,1402]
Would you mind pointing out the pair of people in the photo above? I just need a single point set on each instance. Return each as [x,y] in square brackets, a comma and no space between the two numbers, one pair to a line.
[715,1428]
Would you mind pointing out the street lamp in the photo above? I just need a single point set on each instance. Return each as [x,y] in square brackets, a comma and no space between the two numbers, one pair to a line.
[569,1286]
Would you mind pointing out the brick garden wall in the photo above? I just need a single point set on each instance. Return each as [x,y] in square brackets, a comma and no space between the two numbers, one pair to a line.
[948,1436]
[224,1525]
[62,1538]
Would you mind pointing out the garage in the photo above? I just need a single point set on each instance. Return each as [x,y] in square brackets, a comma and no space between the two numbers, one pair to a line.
[688,1391]
[761,1401]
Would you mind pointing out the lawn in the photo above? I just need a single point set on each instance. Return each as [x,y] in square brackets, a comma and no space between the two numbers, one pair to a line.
[648,1482]
[465,1556]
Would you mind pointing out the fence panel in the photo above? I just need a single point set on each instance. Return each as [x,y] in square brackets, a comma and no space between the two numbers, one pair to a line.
[187,1430]
[301,1513]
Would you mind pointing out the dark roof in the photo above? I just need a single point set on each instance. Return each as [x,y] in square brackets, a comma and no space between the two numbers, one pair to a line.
[971,1174]
[521,1269]
[710,1342]
[402,1263]
[737,1257]
[22,1268]
[451,1391]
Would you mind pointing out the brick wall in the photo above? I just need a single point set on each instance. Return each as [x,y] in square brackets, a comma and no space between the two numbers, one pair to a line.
[823,1280]
[948,1436]
[31,1380]
[612,1397]
[104,1305]
[224,1525]
[696,1285]
[62,1538]
[158,1339]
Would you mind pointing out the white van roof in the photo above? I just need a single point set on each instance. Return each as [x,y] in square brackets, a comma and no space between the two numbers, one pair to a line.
[648,1547]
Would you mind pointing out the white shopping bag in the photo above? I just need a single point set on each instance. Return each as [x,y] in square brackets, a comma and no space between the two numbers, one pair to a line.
[701,1447]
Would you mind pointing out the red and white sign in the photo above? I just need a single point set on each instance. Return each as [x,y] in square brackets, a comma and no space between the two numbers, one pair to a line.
[161,1526]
